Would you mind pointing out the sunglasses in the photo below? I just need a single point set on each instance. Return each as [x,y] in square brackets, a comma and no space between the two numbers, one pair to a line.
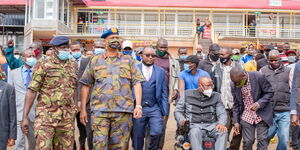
[148,55]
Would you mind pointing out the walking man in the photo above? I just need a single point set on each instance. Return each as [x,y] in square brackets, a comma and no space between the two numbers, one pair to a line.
[252,109]
[110,77]
[55,80]
[278,75]
[20,78]
[154,102]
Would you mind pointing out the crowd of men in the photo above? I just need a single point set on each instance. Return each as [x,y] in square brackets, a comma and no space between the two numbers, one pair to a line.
[117,93]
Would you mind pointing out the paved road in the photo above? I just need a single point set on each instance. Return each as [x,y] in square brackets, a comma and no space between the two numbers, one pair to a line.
[170,134]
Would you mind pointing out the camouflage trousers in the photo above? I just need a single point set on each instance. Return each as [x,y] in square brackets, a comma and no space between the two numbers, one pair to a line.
[54,133]
[111,131]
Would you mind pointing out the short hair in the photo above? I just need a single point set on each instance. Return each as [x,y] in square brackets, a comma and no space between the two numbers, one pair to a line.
[259,56]
[75,43]
[180,48]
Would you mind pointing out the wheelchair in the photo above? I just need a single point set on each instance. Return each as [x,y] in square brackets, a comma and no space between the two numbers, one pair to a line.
[183,143]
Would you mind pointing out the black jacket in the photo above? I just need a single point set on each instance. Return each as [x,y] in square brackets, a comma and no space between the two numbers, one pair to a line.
[262,93]
[206,65]
[279,80]
[8,114]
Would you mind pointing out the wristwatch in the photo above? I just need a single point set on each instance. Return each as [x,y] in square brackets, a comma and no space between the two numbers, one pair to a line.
[138,106]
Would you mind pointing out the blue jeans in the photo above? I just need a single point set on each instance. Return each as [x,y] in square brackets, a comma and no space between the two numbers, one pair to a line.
[281,126]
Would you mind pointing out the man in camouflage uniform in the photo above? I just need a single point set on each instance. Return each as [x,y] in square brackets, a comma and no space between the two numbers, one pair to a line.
[111,77]
[55,80]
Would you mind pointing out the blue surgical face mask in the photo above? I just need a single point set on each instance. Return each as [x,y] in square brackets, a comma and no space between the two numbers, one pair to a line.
[127,52]
[183,57]
[187,67]
[99,51]
[138,58]
[31,61]
[63,55]
[76,55]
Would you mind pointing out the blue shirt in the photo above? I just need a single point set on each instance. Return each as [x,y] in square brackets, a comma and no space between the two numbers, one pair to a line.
[191,81]
[247,58]
[25,73]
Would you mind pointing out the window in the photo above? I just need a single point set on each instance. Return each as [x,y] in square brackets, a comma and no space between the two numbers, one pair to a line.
[66,7]
[39,8]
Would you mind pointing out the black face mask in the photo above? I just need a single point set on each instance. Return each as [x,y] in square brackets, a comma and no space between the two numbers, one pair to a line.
[148,65]
[214,57]
[225,60]
[115,44]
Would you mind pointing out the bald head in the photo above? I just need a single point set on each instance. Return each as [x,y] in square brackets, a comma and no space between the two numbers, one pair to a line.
[199,48]
[204,79]
[162,45]
[205,83]
[274,59]
[237,74]
[99,44]
[274,53]
[162,41]
[225,51]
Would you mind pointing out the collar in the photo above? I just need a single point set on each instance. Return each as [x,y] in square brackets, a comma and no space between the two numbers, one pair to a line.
[231,65]
[281,67]
[118,55]
[24,69]
[54,59]
[144,66]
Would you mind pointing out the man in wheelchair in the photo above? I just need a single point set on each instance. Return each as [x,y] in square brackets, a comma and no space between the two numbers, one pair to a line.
[205,112]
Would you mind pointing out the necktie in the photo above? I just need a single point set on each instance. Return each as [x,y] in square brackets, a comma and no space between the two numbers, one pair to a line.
[148,73]
[28,78]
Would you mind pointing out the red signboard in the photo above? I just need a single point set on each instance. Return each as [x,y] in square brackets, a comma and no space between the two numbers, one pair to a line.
[12,2]
[244,4]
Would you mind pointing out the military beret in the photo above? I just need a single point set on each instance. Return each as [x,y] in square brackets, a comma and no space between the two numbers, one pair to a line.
[109,32]
[59,40]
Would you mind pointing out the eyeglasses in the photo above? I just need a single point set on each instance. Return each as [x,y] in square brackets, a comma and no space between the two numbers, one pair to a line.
[148,55]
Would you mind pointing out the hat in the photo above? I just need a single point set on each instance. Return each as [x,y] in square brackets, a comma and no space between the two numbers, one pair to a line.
[290,51]
[109,32]
[193,59]
[59,40]
[127,43]
[235,51]
[139,50]
[214,47]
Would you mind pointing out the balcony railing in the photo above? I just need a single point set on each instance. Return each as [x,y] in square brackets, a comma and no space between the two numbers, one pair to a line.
[189,30]
[258,31]
[139,29]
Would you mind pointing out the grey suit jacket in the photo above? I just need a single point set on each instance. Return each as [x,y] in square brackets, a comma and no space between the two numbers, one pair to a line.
[15,79]
[83,63]
[8,118]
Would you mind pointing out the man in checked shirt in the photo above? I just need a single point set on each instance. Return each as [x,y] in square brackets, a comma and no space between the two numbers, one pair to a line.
[252,109]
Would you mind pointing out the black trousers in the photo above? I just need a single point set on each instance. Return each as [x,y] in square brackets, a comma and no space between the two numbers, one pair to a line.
[248,133]
[295,134]
[89,130]
[82,132]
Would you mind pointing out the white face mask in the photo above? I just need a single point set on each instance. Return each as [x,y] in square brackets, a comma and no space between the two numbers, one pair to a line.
[207,92]
[17,56]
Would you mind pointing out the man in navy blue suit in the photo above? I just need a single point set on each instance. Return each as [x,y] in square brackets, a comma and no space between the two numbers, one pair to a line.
[154,102]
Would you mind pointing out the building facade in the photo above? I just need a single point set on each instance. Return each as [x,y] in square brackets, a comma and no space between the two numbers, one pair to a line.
[145,21]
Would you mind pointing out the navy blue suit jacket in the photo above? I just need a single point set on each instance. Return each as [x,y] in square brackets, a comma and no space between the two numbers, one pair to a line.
[161,89]
[262,93]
